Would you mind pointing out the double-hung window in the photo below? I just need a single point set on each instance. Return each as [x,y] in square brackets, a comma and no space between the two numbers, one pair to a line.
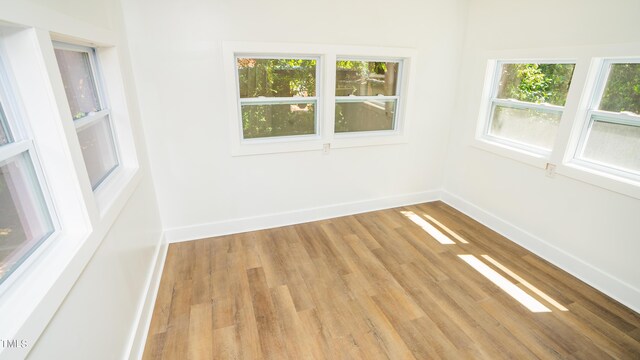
[89,110]
[610,139]
[26,217]
[278,96]
[526,104]
[367,95]
[310,97]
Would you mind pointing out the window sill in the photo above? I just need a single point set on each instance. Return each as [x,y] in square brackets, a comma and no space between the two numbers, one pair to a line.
[603,179]
[277,145]
[368,138]
[517,154]
[315,143]
[116,189]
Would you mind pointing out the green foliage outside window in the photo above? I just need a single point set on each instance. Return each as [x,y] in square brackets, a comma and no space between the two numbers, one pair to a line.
[536,83]
[277,78]
[622,92]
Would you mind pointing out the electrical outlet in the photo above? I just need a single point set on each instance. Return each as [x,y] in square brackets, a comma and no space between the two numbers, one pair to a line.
[550,170]
[325,148]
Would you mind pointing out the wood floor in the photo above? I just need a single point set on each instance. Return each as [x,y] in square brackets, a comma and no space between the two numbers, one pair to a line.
[379,286]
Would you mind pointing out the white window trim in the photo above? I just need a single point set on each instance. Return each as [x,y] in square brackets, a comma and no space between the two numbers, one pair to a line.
[516,150]
[281,100]
[589,113]
[359,98]
[325,79]
[31,296]
[589,61]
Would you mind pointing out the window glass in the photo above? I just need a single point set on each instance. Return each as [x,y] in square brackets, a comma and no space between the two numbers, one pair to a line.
[24,219]
[612,137]
[614,144]
[266,86]
[370,115]
[276,77]
[622,91]
[278,120]
[366,78]
[528,126]
[535,83]
[527,105]
[79,82]
[95,133]
[98,150]
[5,135]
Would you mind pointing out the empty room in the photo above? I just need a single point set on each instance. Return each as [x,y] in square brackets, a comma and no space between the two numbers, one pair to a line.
[278,179]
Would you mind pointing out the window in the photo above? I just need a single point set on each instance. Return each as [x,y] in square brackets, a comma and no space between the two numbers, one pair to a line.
[278,96]
[91,115]
[610,140]
[366,95]
[314,97]
[526,105]
[26,220]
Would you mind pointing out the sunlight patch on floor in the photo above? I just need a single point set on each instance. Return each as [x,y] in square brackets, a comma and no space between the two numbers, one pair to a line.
[525,283]
[515,292]
[446,229]
[430,229]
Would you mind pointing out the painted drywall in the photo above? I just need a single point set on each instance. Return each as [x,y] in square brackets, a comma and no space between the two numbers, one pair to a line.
[597,227]
[177,60]
[97,317]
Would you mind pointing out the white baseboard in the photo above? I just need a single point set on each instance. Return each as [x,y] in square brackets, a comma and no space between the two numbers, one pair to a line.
[608,284]
[234,226]
[140,328]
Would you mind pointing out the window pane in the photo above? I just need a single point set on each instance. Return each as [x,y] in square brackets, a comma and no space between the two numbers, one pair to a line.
[622,92]
[536,83]
[79,83]
[278,120]
[528,126]
[276,77]
[614,144]
[365,115]
[98,150]
[366,78]
[24,219]
[5,135]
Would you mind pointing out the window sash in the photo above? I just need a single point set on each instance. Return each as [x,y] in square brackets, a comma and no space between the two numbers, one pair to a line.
[95,73]
[593,114]
[399,80]
[265,101]
[278,100]
[517,104]
[364,98]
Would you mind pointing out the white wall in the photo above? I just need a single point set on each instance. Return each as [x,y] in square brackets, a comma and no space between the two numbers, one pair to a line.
[177,59]
[588,230]
[98,315]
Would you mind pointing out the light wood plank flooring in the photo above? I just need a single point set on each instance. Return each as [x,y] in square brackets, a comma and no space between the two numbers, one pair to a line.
[379,286]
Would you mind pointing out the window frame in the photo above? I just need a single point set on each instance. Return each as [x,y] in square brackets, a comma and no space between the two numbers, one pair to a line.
[491,88]
[280,100]
[357,98]
[23,142]
[326,138]
[105,112]
[590,115]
